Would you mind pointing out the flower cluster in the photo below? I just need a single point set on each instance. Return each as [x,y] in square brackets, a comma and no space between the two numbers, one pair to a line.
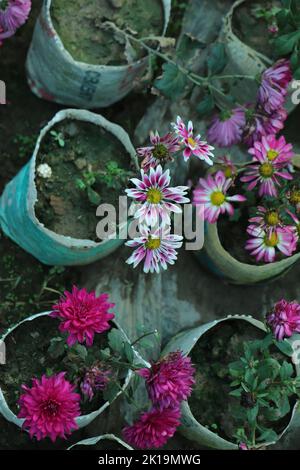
[169,381]
[284,319]
[95,378]
[156,201]
[252,122]
[14,15]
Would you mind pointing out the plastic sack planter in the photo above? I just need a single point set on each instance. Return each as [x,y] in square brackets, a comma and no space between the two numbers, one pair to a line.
[17,215]
[244,60]
[81,421]
[55,76]
[220,262]
[106,437]
[190,427]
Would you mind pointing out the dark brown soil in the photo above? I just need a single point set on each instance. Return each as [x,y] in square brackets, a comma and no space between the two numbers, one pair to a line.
[79,25]
[62,206]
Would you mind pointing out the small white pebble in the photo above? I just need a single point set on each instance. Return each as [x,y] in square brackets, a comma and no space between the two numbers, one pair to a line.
[44,171]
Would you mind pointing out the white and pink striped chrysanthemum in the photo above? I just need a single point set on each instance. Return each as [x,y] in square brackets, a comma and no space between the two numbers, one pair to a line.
[160,151]
[194,145]
[264,245]
[155,197]
[212,195]
[156,248]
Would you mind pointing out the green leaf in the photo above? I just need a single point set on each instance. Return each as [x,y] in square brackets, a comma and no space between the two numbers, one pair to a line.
[172,83]
[285,347]
[129,352]
[116,340]
[206,105]
[56,348]
[252,414]
[286,371]
[268,436]
[81,351]
[217,59]
[286,43]
[93,196]
[110,392]
[236,393]
[296,74]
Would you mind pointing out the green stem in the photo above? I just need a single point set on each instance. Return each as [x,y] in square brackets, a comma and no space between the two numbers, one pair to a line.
[144,336]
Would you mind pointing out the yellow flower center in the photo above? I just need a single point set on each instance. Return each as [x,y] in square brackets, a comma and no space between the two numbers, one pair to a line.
[192,142]
[266,170]
[160,152]
[272,240]
[153,243]
[217,198]
[295,197]
[272,154]
[154,196]
[272,218]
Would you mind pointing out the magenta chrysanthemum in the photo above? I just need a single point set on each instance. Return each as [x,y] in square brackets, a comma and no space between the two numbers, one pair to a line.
[263,244]
[14,16]
[227,128]
[273,89]
[267,219]
[272,149]
[83,314]
[157,199]
[284,319]
[161,150]
[261,124]
[264,171]
[157,249]
[153,429]
[50,407]
[194,145]
[212,195]
[170,380]
[96,378]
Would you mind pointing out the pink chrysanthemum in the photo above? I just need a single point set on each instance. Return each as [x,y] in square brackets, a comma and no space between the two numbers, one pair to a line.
[193,145]
[273,150]
[50,407]
[212,194]
[267,219]
[13,16]
[228,167]
[83,314]
[157,198]
[273,89]
[153,429]
[265,173]
[169,381]
[296,221]
[243,446]
[157,249]
[96,378]
[263,245]
[284,319]
[261,124]
[160,151]
[227,128]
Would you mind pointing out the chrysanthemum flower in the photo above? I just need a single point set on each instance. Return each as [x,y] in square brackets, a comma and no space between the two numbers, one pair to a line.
[169,381]
[83,314]
[157,198]
[12,16]
[227,128]
[296,221]
[160,152]
[153,429]
[263,245]
[243,446]
[273,150]
[157,249]
[273,89]
[267,219]
[193,145]
[49,407]
[260,123]
[284,319]
[266,173]
[95,378]
[294,198]
[212,194]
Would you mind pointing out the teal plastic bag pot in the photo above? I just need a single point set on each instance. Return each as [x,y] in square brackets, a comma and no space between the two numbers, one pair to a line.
[54,75]
[83,420]
[214,257]
[17,214]
[104,439]
[190,427]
